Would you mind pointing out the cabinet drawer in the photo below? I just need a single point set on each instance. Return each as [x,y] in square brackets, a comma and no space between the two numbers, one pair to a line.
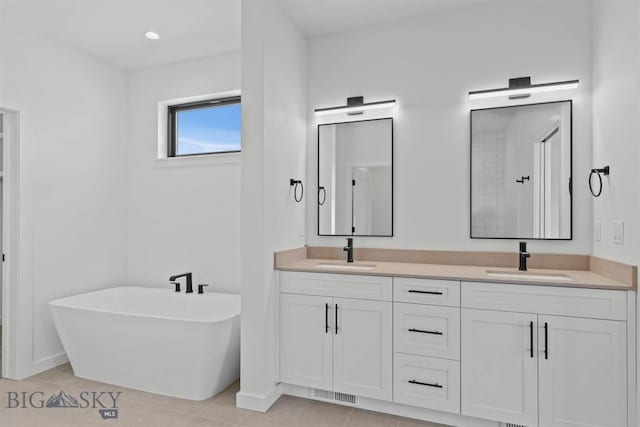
[426,330]
[426,382]
[576,302]
[336,285]
[426,291]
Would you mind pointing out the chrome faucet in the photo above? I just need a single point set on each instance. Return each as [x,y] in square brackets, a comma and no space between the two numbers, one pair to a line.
[189,278]
[522,265]
[349,249]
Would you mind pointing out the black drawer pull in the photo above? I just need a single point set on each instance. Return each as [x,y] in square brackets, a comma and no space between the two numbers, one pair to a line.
[414,291]
[422,331]
[436,385]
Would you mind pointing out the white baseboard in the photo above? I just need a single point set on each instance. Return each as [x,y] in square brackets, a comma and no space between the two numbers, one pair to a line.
[47,363]
[395,409]
[255,402]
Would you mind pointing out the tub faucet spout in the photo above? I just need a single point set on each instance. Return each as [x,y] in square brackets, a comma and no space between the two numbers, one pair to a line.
[189,277]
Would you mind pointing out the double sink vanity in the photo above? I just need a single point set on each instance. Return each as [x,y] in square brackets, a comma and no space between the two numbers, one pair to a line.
[459,338]
[460,344]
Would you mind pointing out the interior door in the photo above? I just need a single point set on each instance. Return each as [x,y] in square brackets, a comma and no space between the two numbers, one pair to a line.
[363,348]
[499,368]
[306,340]
[582,372]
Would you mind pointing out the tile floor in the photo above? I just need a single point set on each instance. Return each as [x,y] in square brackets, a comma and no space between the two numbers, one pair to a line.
[140,409]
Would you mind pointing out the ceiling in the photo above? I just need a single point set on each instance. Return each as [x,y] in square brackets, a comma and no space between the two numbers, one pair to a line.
[114,29]
[320,17]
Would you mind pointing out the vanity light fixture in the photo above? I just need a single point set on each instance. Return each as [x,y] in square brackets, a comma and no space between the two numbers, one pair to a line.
[356,105]
[521,87]
[152,35]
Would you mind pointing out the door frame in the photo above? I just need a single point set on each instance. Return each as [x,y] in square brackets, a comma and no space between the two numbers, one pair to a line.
[12,298]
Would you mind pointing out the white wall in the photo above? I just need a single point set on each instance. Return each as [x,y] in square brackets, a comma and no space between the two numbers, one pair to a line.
[429,65]
[185,217]
[273,143]
[72,178]
[616,129]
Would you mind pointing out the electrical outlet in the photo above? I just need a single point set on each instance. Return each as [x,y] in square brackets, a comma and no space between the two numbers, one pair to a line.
[597,231]
[618,232]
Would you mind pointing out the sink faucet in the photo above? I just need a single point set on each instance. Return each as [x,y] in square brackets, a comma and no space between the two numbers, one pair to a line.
[189,277]
[522,266]
[349,249]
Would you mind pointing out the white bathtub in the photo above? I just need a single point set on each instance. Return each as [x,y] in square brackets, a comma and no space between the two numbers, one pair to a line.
[151,339]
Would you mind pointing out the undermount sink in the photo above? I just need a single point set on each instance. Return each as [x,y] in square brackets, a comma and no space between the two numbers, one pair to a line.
[527,275]
[344,266]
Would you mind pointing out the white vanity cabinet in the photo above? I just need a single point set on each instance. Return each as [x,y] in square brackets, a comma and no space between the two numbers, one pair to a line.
[362,357]
[499,369]
[335,343]
[426,340]
[306,343]
[583,377]
[460,353]
[544,367]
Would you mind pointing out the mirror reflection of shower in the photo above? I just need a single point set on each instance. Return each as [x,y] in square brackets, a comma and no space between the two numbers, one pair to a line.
[521,172]
[355,190]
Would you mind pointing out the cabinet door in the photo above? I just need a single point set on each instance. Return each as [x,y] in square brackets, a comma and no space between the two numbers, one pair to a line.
[583,375]
[306,340]
[362,348]
[499,366]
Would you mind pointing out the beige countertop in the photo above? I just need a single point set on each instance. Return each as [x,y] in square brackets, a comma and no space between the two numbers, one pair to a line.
[578,278]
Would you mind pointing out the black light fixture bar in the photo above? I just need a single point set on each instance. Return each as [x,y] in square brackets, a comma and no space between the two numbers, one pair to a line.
[521,87]
[356,105]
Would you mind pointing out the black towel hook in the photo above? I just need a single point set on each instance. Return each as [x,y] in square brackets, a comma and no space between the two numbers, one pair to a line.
[598,172]
[295,183]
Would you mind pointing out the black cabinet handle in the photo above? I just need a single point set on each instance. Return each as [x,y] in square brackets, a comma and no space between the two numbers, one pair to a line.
[436,385]
[531,338]
[326,318]
[546,340]
[422,331]
[413,291]
[336,319]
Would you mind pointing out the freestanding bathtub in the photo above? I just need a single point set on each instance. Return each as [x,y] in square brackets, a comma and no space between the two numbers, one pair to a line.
[152,339]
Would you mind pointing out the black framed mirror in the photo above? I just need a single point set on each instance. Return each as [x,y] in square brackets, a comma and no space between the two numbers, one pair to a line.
[355,178]
[521,172]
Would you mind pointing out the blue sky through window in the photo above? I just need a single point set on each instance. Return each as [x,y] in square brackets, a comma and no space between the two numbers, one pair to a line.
[209,130]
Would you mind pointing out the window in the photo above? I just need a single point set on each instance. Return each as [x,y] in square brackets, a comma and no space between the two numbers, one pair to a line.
[204,127]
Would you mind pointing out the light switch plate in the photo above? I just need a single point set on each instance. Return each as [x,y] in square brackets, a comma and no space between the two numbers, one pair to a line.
[618,232]
[597,231]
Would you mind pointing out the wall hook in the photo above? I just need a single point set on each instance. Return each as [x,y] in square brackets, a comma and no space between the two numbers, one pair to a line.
[598,172]
[295,183]
[522,179]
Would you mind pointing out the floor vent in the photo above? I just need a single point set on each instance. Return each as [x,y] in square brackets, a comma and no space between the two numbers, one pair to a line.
[512,425]
[346,398]
[322,394]
[330,395]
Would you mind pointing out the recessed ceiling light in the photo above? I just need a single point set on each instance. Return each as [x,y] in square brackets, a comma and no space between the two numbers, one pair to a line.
[152,35]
